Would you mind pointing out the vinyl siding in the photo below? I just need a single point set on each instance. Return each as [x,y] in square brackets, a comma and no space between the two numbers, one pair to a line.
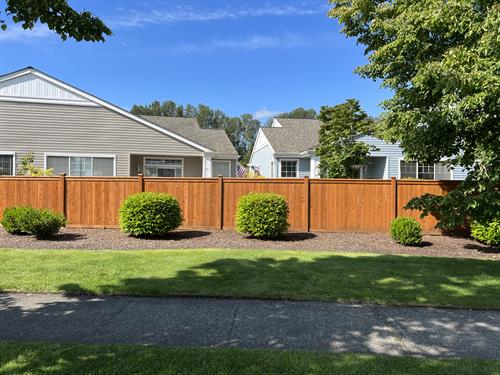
[49,128]
[459,173]
[262,159]
[392,151]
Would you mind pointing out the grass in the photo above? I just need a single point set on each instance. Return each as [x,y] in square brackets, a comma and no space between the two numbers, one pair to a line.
[256,274]
[44,358]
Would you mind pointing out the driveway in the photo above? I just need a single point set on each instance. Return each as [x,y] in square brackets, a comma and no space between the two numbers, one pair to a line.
[281,325]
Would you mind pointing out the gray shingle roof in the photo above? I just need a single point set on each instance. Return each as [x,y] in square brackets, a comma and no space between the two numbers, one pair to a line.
[214,139]
[296,135]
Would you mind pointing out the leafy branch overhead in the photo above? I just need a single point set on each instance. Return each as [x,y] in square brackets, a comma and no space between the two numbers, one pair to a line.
[59,17]
[442,62]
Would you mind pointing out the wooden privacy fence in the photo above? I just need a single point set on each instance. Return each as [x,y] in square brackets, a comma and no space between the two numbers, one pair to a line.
[326,205]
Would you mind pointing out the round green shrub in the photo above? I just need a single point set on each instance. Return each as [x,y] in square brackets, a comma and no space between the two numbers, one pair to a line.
[16,219]
[406,231]
[150,214]
[46,223]
[43,223]
[262,215]
[488,233]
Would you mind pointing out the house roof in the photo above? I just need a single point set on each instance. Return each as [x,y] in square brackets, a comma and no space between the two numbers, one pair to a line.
[294,135]
[214,139]
[103,103]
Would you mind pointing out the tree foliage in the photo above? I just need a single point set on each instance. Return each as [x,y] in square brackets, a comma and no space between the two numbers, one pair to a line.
[59,16]
[442,61]
[299,113]
[340,152]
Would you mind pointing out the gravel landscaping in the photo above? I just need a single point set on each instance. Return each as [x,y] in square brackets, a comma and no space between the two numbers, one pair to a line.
[380,243]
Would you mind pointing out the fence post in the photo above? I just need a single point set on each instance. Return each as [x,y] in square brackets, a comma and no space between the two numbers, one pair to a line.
[394,197]
[220,183]
[140,183]
[307,192]
[62,188]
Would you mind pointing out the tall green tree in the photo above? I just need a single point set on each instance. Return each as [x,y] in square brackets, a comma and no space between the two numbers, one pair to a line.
[442,61]
[341,154]
[59,16]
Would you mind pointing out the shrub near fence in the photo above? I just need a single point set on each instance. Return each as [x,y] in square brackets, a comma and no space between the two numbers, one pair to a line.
[327,205]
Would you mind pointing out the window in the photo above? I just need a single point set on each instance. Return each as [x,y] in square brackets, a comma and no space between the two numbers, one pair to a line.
[82,165]
[412,169]
[6,165]
[289,168]
[156,167]
[222,168]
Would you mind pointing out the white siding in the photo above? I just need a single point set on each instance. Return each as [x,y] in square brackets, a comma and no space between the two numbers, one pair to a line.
[33,87]
[262,159]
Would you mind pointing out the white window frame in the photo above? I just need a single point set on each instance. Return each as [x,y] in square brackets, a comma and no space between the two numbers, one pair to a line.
[13,154]
[296,169]
[162,158]
[416,177]
[221,161]
[70,155]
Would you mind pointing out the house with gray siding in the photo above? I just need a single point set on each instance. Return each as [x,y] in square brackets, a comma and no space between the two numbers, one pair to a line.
[74,132]
[287,149]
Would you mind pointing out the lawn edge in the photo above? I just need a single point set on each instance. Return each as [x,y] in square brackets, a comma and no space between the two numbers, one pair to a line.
[247,298]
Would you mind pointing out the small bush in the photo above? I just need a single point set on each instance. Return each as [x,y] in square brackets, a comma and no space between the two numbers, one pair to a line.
[262,215]
[488,233]
[43,223]
[46,223]
[16,219]
[406,231]
[150,214]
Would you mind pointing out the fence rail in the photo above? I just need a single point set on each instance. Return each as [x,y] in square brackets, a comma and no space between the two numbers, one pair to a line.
[327,205]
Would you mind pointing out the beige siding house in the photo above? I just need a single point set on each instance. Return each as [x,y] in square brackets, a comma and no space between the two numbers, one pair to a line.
[79,134]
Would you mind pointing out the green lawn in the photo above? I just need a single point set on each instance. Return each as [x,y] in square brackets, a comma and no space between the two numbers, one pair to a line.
[43,358]
[256,273]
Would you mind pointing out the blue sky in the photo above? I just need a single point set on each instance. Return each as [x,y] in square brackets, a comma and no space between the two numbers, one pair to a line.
[259,57]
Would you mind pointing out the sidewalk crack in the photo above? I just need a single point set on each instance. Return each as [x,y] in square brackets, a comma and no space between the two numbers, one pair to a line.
[234,315]
[390,321]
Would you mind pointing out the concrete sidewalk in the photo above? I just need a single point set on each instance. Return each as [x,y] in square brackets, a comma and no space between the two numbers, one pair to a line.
[200,322]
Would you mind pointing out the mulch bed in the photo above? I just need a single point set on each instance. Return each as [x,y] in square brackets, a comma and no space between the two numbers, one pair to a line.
[380,243]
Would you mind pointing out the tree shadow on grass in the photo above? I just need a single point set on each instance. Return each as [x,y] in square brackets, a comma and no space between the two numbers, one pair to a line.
[380,279]
[124,359]
[278,325]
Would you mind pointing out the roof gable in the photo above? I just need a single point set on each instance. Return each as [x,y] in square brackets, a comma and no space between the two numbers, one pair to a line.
[32,87]
[29,76]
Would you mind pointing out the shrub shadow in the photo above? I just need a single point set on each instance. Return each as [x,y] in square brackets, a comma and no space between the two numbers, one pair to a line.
[486,249]
[288,237]
[64,237]
[175,236]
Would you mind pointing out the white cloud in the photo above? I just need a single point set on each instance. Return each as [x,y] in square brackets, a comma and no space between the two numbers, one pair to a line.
[249,43]
[264,113]
[16,33]
[136,18]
